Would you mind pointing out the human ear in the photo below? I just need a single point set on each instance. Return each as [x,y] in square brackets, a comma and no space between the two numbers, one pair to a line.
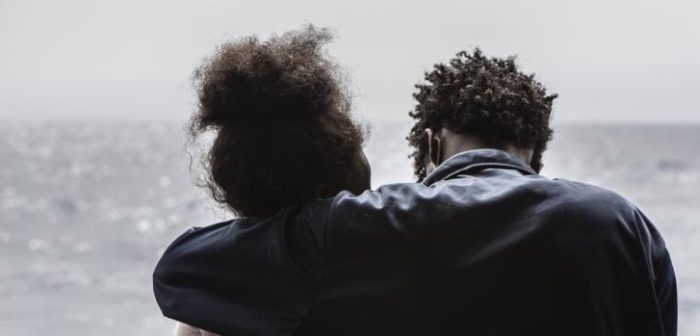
[432,159]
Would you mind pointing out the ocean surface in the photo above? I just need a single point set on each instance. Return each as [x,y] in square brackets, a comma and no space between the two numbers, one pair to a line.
[86,208]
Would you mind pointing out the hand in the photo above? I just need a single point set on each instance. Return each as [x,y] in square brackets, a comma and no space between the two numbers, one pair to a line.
[182,329]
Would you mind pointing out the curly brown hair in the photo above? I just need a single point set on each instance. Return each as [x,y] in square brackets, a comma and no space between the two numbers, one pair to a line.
[485,97]
[281,117]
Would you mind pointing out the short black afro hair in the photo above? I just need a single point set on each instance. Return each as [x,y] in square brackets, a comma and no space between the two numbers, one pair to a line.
[485,97]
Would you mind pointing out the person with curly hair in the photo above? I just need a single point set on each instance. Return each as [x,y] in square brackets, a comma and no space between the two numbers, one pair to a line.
[482,244]
[489,100]
[283,135]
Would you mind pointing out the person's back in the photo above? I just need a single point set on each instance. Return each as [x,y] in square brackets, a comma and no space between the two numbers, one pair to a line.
[492,250]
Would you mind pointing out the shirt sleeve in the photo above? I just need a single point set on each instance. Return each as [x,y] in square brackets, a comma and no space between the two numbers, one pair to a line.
[663,273]
[254,276]
[666,291]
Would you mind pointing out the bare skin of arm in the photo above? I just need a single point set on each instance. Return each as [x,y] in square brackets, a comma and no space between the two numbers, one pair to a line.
[182,329]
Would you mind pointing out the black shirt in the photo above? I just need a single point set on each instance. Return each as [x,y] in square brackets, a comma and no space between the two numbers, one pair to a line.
[484,246]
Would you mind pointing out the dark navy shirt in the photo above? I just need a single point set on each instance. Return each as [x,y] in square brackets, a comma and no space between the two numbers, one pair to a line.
[484,246]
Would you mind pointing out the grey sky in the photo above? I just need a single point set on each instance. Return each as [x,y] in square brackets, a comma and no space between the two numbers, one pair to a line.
[608,60]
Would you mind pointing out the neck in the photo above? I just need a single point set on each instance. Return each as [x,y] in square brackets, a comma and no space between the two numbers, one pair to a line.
[454,143]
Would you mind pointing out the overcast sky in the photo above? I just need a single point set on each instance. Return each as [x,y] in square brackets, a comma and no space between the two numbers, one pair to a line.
[633,60]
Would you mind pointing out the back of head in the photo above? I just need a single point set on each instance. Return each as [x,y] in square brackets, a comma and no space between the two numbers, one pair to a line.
[489,98]
[281,119]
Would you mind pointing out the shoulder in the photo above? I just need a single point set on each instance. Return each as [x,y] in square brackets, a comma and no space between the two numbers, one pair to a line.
[250,259]
[416,200]
[195,232]
[392,198]
[241,240]
[189,245]
[618,217]
[386,215]
[607,212]
[590,199]
[212,246]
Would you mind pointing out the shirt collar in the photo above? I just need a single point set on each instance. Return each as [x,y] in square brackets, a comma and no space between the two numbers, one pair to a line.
[469,160]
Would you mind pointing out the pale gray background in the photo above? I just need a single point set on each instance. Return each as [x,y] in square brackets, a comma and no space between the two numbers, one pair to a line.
[622,60]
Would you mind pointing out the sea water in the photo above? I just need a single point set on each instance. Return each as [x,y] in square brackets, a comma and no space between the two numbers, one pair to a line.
[87,207]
